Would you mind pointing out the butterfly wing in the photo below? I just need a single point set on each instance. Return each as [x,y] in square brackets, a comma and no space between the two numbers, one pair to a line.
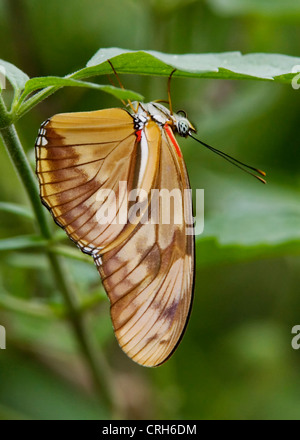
[149,276]
[79,154]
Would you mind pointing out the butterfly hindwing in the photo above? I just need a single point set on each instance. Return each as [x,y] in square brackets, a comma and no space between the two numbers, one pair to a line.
[149,277]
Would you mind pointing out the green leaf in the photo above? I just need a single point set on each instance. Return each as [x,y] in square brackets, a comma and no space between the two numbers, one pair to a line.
[47,309]
[226,65]
[277,8]
[210,252]
[27,260]
[35,84]
[50,84]
[72,252]
[249,223]
[32,308]
[268,217]
[15,76]
[15,209]
[22,242]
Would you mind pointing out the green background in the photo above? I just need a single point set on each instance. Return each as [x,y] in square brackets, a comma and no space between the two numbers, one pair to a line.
[236,359]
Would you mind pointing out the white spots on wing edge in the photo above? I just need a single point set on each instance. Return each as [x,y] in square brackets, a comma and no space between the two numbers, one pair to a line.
[92,250]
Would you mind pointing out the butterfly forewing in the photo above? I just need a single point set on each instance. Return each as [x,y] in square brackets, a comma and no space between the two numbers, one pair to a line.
[146,265]
[77,155]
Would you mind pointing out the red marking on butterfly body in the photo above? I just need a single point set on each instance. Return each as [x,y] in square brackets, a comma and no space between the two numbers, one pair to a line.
[138,135]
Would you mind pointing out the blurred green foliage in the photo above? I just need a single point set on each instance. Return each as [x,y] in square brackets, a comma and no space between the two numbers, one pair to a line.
[236,360]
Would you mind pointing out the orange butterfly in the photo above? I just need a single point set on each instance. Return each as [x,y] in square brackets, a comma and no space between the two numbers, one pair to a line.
[147,267]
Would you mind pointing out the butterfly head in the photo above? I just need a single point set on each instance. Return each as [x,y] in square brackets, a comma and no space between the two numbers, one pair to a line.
[162,115]
[182,125]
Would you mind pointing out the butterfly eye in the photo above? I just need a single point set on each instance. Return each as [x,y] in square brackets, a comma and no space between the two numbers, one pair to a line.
[183,127]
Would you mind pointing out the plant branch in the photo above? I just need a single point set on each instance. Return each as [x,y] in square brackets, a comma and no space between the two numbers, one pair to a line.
[42,309]
[17,155]
[20,108]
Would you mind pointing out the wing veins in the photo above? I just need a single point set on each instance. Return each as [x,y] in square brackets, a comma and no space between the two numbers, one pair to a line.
[170,341]
[88,181]
[154,297]
[129,273]
[157,292]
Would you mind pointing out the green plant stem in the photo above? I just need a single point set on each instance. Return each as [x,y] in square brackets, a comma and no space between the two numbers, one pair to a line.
[40,309]
[22,108]
[15,150]
[17,155]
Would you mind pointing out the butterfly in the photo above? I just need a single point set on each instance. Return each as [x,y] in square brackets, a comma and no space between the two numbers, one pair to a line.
[146,266]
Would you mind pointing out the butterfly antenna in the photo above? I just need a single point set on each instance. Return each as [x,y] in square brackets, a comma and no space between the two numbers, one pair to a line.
[242,166]
[169,91]
[114,85]
[121,85]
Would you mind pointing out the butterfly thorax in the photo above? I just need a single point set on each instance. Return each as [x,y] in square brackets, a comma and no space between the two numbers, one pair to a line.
[162,116]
